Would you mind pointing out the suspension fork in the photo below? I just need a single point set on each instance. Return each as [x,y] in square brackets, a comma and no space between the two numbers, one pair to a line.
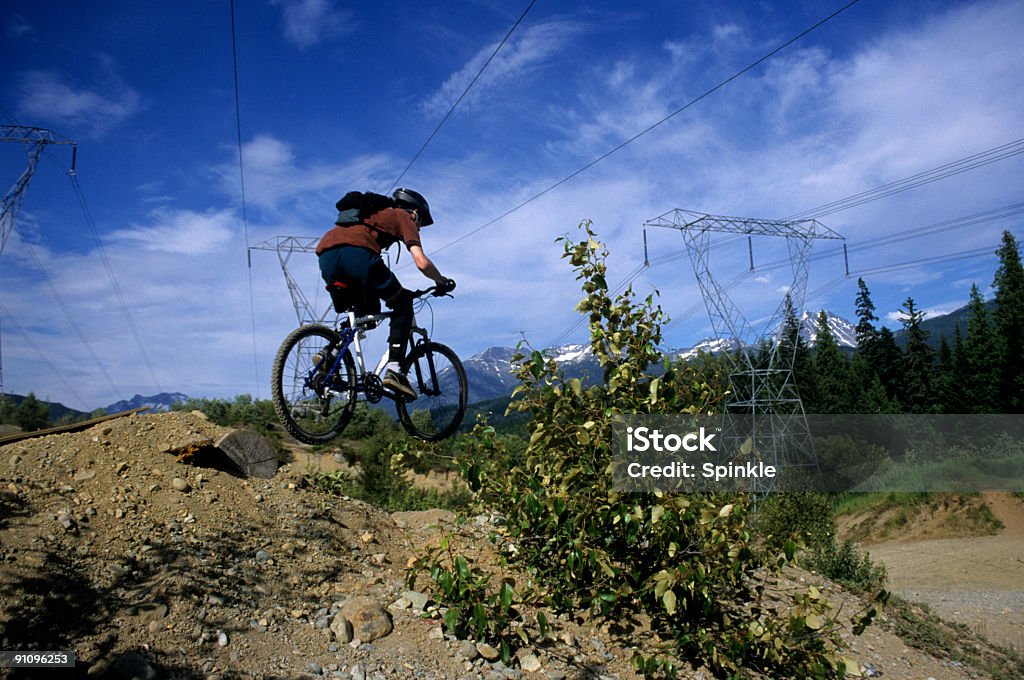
[431,371]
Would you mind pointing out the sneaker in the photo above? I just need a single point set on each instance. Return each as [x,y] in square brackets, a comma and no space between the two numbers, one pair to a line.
[322,360]
[400,384]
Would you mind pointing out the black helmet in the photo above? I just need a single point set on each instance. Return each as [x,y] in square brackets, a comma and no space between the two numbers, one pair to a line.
[411,200]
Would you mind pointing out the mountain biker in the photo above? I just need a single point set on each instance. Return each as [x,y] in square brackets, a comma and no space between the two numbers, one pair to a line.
[352,254]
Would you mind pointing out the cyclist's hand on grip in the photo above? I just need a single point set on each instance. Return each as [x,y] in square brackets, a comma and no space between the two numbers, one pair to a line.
[445,287]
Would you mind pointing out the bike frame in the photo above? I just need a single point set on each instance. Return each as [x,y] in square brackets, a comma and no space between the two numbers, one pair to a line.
[353,331]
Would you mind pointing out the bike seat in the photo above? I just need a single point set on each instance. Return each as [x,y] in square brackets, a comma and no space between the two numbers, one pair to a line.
[348,296]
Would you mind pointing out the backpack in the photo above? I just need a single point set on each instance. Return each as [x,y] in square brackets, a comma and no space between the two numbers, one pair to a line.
[356,206]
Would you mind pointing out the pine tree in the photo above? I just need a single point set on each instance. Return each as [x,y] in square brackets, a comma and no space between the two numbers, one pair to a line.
[831,372]
[982,355]
[1009,318]
[866,391]
[6,410]
[918,361]
[887,363]
[959,352]
[866,331]
[32,414]
[948,395]
[793,348]
[867,395]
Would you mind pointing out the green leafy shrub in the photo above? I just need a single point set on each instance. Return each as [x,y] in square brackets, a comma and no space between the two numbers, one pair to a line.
[805,517]
[808,519]
[477,610]
[687,564]
[381,479]
[845,564]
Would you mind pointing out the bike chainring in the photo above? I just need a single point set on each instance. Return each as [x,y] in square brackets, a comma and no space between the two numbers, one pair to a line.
[374,389]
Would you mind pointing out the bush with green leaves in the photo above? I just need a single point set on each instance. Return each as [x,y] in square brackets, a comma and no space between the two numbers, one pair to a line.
[686,564]
[381,478]
[244,411]
[808,518]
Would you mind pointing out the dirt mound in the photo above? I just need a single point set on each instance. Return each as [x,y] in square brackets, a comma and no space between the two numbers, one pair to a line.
[142,561]
[149,564]
[922,517]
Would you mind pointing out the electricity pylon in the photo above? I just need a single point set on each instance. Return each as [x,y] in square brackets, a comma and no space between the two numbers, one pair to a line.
[285,246]
[765,417]
[35,140]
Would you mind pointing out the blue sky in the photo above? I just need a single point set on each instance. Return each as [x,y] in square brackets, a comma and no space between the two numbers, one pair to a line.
[338,96]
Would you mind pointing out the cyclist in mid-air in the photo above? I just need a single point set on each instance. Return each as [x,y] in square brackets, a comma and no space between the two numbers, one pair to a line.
[351,253]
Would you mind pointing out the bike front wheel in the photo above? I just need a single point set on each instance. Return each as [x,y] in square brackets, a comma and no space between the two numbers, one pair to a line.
[314,395]
[436,374]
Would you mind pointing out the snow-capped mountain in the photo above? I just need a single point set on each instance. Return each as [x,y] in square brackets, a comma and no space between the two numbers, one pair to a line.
[157,402]
[709,346]
[490,372]
[569,354]
[842,330]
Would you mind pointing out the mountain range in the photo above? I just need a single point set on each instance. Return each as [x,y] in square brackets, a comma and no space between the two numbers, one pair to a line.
[490,373]
[157,402]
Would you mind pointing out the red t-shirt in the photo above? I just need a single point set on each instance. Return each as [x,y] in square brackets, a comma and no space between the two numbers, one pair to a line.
[377,232]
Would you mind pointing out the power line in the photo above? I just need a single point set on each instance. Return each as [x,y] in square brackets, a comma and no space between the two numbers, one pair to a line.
[42,356]
[883,269]
[463,95]
[650,128]
[113,280]
[67,313]
[245,216]
[91,223]
[1014,148]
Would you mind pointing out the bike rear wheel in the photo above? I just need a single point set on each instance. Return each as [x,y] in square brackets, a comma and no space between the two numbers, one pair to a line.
[313,402]
[436,374]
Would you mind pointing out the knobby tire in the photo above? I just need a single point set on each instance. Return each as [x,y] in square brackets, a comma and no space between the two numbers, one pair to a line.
[317,414]
[438,377]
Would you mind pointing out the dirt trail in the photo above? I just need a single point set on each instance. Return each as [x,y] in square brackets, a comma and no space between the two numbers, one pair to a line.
[977,581]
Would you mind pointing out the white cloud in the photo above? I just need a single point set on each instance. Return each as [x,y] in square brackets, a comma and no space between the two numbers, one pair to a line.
[45,96]
[951,85]
[526,51]
[310,22]
[182,232]
[291,188]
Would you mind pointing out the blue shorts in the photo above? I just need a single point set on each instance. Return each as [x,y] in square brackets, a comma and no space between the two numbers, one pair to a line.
[361,266]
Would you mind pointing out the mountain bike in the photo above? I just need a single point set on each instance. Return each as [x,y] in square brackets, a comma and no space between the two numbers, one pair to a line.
[319,375]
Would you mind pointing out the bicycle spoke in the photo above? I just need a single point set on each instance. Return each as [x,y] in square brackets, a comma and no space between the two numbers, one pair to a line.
[313,394]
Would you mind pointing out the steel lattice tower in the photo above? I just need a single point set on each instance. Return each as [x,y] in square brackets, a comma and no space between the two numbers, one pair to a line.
[35,140]
[285,246]
[765,418]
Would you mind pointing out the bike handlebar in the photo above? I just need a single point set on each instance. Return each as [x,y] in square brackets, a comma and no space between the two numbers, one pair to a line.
[431,290]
